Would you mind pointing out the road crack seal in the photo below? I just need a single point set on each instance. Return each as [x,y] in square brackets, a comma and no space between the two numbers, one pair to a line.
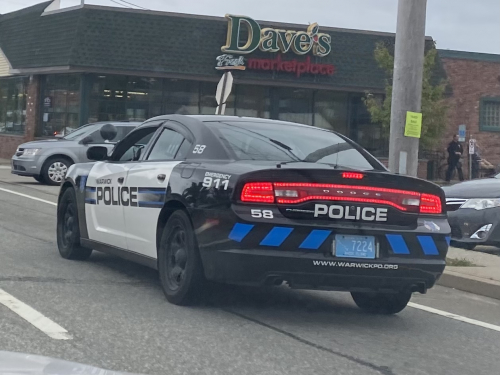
[384,370]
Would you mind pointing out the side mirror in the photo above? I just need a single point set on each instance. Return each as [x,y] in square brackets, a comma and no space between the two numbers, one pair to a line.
[108,132]
[85,141]
[97,153]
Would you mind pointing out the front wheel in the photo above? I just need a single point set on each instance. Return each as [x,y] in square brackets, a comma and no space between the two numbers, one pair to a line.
[54,170]
[68,230]
[381,303]
[179,263]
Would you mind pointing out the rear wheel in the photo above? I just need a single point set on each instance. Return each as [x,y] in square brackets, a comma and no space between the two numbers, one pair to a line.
[54,170]
[179,263]
[381,303]
[68,230]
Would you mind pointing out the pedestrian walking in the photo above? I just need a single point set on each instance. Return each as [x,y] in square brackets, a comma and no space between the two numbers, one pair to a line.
[455,152]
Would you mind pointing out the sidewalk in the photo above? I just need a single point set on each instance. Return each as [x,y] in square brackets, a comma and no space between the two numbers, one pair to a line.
[4,161]
[482,278]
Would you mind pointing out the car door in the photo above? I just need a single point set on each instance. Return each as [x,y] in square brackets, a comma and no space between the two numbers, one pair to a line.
[106,197]
[151,177]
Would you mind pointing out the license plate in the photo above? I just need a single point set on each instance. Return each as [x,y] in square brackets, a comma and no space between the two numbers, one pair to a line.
[354,247]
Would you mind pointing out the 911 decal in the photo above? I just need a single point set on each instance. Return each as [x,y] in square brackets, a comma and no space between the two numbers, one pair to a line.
[213,179]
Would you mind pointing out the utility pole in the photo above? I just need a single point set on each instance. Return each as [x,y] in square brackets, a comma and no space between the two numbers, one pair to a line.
[407,84]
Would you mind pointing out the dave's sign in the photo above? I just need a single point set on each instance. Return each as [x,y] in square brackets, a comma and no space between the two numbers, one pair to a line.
[274,40]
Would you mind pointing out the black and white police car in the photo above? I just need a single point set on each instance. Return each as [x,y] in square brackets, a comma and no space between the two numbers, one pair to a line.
[255,202]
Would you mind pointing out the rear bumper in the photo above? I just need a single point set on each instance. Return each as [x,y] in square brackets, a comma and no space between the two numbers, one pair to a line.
[26,166]
[315,271]
[465,223]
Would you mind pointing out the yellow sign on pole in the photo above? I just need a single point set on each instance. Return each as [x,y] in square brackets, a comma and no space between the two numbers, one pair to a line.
[413,126]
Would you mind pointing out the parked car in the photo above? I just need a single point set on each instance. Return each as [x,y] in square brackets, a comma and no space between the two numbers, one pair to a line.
[47,161]
[474,212]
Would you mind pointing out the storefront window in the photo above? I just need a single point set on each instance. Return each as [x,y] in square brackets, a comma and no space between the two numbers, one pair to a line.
[364,132]
[296,105]
[330,111]
[124,98]
[181,97]
[253,101]
[13,105]
[61,104]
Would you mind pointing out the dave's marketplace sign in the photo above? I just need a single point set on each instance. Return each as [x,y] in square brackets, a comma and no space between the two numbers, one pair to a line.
[309,42]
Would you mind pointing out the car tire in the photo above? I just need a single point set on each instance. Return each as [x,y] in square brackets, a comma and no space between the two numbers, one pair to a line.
[39,179]
[179,262]
[54,170]
[381,303]
[68,230]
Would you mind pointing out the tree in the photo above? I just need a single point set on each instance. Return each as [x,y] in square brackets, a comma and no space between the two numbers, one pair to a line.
[433,98]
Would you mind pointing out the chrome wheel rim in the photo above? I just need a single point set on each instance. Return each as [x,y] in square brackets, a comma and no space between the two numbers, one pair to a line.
[57,171]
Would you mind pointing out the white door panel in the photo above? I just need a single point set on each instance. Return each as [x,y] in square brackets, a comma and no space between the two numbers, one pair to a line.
[104,212]
[141,221]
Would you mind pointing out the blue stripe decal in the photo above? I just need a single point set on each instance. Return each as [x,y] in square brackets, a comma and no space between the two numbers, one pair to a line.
[276,236]
[90,201]
[91,189]
[83,182]
[240,231]
[448,239]
[315,239]
[397,243]
[159,192]
[151,204]
[428,245]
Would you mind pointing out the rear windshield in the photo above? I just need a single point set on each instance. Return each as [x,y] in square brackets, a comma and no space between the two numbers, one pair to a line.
[289,142]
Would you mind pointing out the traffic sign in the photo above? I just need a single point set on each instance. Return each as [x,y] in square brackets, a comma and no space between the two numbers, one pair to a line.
[223,90]
[461,133]
[472,146]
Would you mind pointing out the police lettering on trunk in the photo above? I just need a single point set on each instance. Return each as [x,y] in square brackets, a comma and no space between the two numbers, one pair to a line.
[351,213]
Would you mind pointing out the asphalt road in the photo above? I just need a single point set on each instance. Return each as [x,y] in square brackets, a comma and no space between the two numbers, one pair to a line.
[119,319]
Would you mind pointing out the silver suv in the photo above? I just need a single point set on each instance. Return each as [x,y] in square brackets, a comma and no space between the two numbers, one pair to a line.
[48,160]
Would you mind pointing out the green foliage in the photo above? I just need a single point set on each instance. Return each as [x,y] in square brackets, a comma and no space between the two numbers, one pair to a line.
[433,103]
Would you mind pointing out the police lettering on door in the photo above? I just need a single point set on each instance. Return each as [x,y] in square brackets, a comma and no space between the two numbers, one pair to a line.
[117,196]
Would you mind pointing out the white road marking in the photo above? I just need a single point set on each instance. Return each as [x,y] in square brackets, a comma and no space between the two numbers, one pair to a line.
[455,316]
[28,196]
[33,317]
[4,167]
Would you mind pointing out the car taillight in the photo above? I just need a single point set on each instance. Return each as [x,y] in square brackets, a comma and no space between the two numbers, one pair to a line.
[430,204]
[258,192]
[299,192]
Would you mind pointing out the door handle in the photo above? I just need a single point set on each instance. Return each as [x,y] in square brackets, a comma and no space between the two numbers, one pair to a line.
[120,180]
[161,177]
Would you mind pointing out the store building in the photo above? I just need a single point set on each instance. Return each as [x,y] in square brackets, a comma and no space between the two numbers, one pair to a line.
[62,68]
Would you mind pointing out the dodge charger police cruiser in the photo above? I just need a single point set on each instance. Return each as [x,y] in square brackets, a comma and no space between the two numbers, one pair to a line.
[255,202]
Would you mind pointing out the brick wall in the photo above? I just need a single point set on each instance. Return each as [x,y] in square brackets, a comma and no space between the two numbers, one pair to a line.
[9,143]
[470,80]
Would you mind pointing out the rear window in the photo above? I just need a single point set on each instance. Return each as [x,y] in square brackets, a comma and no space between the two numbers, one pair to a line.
[289,142]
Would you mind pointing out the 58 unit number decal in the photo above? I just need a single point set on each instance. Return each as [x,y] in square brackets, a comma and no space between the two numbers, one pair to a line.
[262,214]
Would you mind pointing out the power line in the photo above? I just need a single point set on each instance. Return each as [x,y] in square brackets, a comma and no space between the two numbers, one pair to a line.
[123,5]
[138,6]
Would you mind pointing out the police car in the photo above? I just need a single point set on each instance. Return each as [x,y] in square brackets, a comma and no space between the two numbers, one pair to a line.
[255,202]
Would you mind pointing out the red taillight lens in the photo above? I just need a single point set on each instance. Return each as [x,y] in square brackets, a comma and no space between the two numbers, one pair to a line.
[258,192]
[300,192]
[353,175]
[430,204]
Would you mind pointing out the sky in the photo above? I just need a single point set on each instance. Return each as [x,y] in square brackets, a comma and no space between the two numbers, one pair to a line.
[465,25]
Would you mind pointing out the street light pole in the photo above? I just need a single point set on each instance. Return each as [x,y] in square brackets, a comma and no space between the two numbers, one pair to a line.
[407,84]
